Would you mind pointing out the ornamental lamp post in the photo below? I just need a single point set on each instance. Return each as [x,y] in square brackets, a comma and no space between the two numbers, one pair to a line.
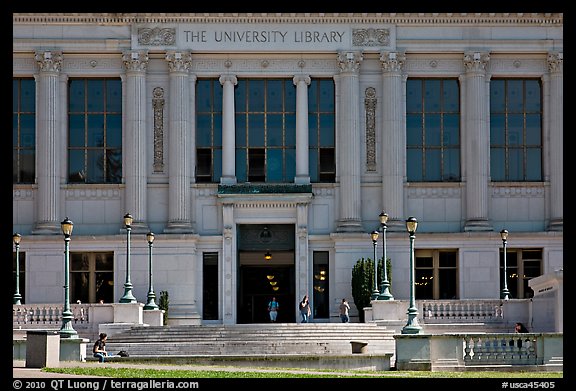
[385,286]
[17,296]
[412,326]
[128,297]
[375,292]
[504,294]
[151,304]
[67,331]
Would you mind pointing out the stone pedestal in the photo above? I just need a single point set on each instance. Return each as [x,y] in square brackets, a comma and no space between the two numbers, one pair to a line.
[42,349]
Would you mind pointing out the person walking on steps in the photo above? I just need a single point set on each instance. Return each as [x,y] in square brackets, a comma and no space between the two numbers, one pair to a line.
[273,307]
[344,308]
[305,309]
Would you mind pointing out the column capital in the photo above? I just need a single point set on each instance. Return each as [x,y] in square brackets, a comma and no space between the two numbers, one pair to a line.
[301,78]
[476,61]
[350,61]
[555,62]
[392,61]
[136,60]
[228,78]
[49,61]
[179,61]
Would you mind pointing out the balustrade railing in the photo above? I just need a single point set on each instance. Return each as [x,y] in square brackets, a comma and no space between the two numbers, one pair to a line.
[485,310]
[47,314]
[514,349]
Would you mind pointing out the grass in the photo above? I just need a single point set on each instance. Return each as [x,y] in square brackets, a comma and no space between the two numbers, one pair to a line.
[267,373]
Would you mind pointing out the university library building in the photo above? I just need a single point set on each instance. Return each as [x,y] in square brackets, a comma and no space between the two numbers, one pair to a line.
[225,159]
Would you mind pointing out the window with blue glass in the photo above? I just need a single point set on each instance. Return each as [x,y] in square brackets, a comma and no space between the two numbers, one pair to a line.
[95,130]
[265,121]
[208,131]
[321,126]
[23,130]
[515,130]
[433,130]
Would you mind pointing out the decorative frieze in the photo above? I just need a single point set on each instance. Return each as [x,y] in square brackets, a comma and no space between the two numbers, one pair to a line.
[316,66]
[371,37]
[435,192]
[157,36]
[136,61]
[370,105]
[49,61]
[158,107]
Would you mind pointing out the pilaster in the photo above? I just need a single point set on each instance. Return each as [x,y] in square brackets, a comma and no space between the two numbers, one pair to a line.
[228,130]
[135,173]
[555,121]
[476,157]
[179,196]
[349,141]
[48,142]
[393,139]
[302,167]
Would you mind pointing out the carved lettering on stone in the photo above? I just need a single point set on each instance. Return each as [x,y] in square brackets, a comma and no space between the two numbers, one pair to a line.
[158,107]
[370,105]
[157,36]
[371,37]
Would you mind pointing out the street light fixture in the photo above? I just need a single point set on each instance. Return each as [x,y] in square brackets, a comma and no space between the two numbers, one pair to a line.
[375,292]
[504,294]
[67,331]
[151,304]
[128,297]
[385,286]
[17,296]
[412,326]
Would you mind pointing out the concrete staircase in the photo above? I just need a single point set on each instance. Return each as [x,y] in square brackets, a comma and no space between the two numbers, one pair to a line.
[252,339]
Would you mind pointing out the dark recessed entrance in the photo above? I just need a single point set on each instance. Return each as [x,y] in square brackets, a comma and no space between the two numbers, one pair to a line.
[259,278]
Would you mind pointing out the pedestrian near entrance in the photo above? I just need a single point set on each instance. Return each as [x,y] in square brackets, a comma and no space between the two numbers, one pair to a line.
[344,308]
[305,309]
[273,307]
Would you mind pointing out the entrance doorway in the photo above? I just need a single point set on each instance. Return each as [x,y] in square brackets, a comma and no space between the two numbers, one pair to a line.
[266,269]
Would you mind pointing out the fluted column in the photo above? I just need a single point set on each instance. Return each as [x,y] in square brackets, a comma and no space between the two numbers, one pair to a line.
[349,141]
[228,130]
[393,139]
[477,149]
[302,167]
[179,206]
[555,118]
[135,64]
[48,142]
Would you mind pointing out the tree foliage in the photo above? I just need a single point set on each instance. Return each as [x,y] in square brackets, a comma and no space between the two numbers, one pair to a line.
[363,282]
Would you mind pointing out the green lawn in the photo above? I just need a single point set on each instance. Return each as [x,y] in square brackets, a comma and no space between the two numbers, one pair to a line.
[264,373]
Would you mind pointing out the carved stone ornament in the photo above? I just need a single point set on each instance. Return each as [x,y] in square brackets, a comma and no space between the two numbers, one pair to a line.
[158,107]
[157,36]
[371,37]
[555,62]
[349,61]
[135,61]
[370,105]
[476,61]
[392,61]
[49,61]
[179,61]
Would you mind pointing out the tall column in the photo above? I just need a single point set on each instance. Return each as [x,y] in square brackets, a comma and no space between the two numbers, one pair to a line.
[49,141]
[135,64]
[302,168]
[303,262]
[228,130]
[179,139]
[393,139]
[477,141]
[555,153]
[349,141]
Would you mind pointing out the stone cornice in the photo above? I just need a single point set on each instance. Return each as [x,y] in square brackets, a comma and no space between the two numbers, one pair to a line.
[545,19]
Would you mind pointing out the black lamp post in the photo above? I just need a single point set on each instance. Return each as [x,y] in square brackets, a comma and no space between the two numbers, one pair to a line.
[17,296]
[412,326]
[67,331]
[151,304]
[375,292]
[504,294]
[128,297]
[385,286]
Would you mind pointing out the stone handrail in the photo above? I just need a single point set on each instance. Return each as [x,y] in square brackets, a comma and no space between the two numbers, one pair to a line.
[485,310]
[48,314]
